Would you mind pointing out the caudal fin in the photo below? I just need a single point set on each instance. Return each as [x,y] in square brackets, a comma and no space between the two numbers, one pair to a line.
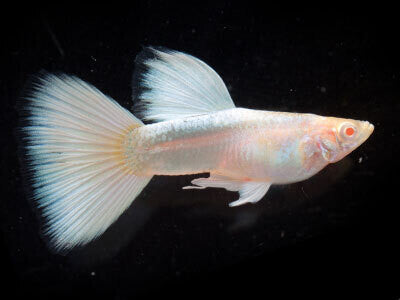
[74,145]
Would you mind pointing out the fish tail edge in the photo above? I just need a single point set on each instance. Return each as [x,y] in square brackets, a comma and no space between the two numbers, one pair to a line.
[72,139]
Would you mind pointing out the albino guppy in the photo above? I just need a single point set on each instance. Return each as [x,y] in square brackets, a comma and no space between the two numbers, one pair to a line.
[89,158]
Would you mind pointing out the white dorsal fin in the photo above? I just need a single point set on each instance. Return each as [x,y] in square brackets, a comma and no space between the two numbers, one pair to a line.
[250,191]
[171,84]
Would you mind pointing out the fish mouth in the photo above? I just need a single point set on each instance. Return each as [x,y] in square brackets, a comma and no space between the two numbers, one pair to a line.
[371,128]
[368,128]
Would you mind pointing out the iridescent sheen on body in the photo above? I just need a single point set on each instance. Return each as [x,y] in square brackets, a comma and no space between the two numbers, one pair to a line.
[238,143]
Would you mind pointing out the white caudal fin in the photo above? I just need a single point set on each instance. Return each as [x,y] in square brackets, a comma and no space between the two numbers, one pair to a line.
[171,84]
[249,191]
[74,145]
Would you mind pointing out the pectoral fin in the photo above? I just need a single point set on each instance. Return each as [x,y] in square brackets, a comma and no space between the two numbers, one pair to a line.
[250,191]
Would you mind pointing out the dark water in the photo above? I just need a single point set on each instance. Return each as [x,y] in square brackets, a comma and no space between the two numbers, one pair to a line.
[334,234]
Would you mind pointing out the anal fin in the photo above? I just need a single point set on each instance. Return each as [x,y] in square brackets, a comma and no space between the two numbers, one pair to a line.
[250,191]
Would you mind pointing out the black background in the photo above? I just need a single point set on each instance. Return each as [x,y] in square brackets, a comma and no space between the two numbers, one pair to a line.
[335,234]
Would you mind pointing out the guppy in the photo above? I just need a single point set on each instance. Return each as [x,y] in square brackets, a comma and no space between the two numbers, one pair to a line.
[89,158]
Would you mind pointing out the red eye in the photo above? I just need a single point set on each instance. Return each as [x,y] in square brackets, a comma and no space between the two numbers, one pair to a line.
[349,131]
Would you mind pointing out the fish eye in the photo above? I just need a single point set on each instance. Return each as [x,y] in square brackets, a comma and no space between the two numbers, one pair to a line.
[347,130]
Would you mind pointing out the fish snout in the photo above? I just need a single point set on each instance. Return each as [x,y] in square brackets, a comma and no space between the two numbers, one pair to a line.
[368,128]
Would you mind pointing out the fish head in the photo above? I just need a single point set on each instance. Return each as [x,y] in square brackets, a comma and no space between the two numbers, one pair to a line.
[337,137]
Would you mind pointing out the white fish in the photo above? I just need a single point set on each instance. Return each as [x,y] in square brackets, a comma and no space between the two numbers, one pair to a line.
[90,158]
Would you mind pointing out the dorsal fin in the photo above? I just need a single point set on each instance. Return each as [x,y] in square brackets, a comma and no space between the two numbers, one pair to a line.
[171,84]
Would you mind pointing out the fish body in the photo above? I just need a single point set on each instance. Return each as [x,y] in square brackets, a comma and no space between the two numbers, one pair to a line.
[242,144]
[89,158]
[239,143]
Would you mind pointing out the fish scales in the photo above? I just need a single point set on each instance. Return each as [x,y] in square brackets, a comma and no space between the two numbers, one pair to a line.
[229,142]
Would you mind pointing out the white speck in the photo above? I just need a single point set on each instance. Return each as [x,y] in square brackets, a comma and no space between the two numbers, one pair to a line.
[93,58]
[282,233]
[93,273]
[360,160]
[323,89]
